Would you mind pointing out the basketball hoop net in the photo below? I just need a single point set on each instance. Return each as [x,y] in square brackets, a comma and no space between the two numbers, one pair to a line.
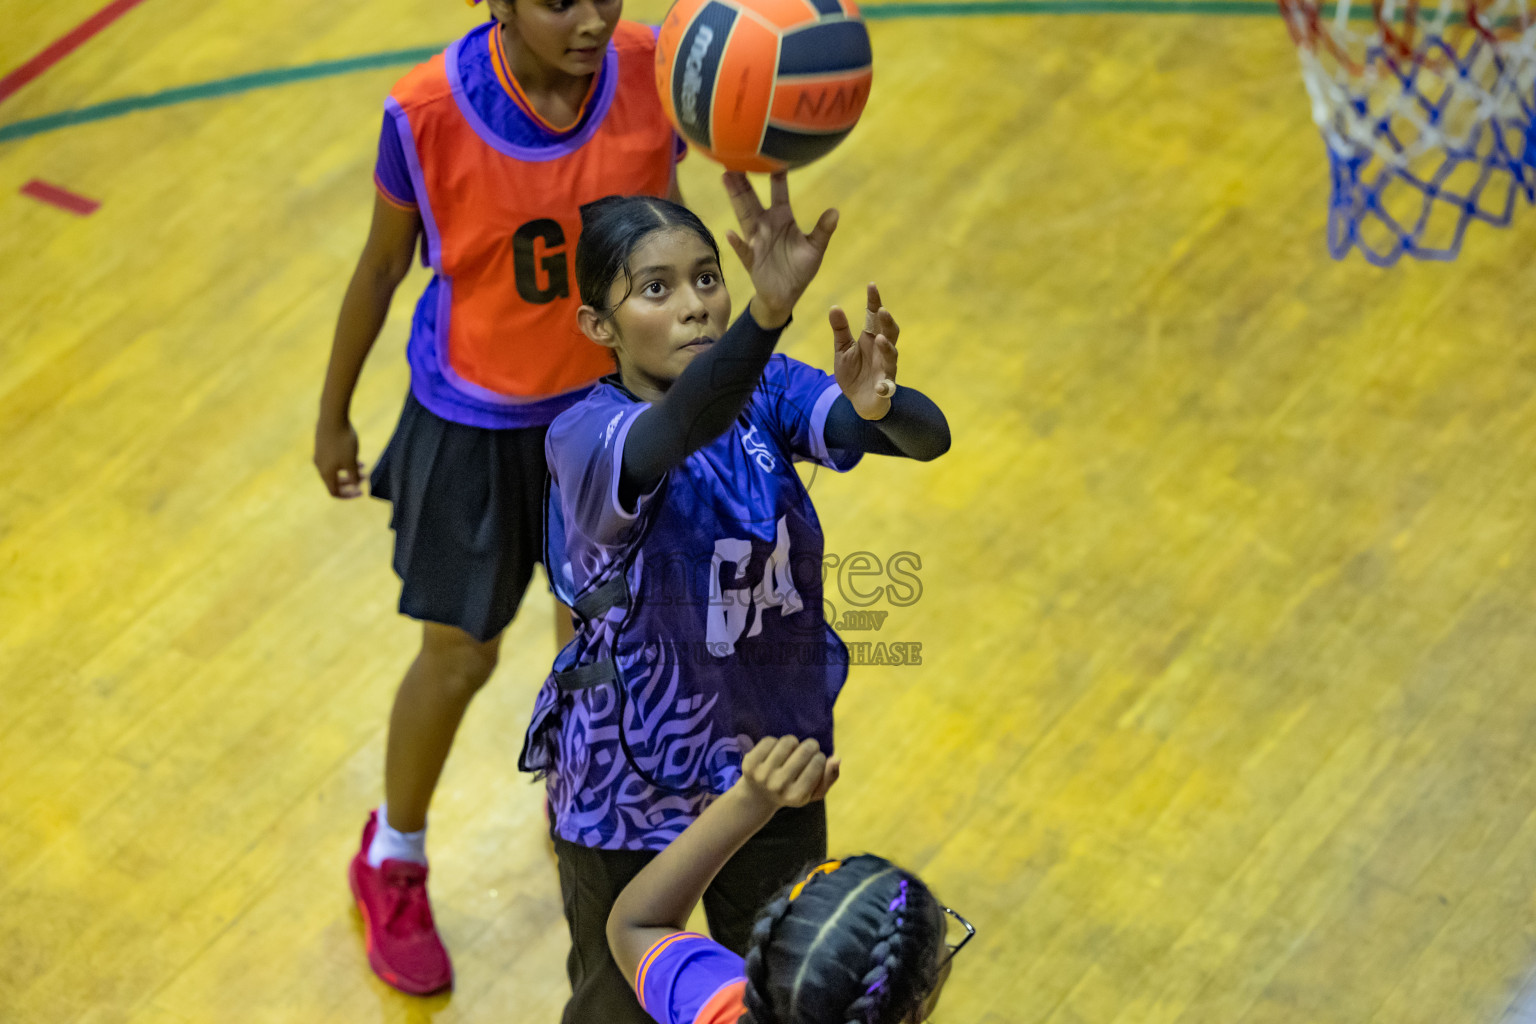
[1429,118]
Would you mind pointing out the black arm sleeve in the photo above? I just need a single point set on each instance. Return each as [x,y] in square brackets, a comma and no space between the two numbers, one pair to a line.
[700,405]
[914,427]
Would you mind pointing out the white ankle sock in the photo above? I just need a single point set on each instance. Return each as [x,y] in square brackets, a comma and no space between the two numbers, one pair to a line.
[392,844]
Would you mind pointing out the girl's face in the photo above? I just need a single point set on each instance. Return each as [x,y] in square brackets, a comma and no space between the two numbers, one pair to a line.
[677,307]
[568,36]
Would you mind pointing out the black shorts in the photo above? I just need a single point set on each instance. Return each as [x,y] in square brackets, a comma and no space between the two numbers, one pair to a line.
[468,517]
[591,880]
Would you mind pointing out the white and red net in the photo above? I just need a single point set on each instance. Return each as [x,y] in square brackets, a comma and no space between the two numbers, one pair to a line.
[1429,117]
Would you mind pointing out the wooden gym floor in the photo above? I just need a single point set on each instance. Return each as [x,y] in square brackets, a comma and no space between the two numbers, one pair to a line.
[1224,711]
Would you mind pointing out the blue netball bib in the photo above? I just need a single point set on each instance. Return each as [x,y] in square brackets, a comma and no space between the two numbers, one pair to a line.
[702,626]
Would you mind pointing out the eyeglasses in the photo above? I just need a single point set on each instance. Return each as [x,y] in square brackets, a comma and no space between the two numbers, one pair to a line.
[932,999]
[970,933]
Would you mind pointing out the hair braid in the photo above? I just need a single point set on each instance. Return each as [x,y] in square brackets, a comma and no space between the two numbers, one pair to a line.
[754,996]
[885,964]
[860,946]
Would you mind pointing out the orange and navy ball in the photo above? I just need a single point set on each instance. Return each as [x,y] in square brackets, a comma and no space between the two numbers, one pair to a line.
[764,85]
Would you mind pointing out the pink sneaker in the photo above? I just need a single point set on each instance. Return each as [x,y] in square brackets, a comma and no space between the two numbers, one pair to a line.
[403,945]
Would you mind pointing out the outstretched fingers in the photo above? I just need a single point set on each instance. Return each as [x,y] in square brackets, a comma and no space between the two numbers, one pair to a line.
[885,352]
[821,234]
[778,188]
[842,334]
[744,201]
[741,248]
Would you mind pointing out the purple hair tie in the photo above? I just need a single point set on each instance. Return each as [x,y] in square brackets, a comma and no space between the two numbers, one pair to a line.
[898,903]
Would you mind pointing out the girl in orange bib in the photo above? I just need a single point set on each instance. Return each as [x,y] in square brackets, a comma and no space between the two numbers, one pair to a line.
[487,154]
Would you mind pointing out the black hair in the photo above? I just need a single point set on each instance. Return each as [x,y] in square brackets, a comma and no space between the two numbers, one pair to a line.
[612,228]
[855,942]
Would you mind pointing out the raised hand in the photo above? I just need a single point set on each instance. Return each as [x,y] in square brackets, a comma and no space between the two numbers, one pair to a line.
[780,258]
[865,366]
[785,772]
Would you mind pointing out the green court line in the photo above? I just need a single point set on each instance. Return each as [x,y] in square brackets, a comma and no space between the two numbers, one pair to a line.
[211,90]
[394,58]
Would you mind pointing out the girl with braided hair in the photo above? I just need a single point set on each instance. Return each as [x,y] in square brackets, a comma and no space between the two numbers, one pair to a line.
[858,941]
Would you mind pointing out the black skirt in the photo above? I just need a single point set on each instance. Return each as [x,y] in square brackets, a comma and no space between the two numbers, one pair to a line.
[468,517]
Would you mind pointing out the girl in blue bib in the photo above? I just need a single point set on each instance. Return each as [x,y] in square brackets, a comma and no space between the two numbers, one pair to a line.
[689,548]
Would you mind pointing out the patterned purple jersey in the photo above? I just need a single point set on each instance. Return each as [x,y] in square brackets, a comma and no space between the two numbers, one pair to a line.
[703,627]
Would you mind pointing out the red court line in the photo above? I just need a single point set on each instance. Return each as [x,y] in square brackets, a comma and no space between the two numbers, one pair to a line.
[63,198]
[64,45]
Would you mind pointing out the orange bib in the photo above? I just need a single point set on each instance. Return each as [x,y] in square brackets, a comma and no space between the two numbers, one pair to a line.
[502,222]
